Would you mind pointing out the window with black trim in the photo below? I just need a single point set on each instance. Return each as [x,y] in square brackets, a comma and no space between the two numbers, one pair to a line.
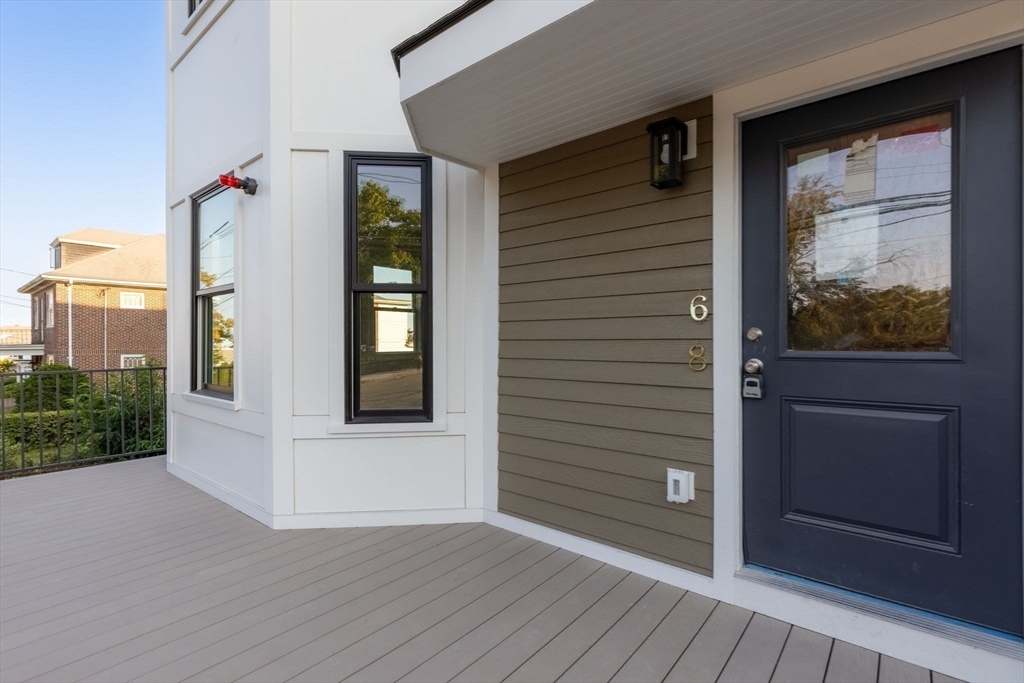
[388,349]
[193,5]
[213,271]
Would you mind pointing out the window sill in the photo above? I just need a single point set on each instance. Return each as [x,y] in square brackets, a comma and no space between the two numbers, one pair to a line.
[194,19]
[371,428]
[209,398]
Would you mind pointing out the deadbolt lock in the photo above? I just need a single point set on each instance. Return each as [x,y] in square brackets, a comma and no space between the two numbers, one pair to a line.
[754,333]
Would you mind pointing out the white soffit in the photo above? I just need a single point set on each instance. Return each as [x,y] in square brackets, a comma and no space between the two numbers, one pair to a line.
[612,61]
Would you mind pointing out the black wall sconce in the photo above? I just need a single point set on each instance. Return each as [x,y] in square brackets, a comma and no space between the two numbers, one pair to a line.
[668,147]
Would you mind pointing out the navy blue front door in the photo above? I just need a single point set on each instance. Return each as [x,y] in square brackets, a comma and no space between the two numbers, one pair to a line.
[882,272]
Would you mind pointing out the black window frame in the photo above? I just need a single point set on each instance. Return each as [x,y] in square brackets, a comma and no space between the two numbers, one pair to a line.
[353,288]
[199,306]
[193,5]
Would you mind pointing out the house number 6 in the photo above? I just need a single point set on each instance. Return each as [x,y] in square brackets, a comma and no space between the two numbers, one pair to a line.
[698,311]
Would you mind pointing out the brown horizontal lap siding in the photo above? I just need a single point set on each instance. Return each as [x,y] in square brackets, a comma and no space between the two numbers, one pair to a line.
[597,399]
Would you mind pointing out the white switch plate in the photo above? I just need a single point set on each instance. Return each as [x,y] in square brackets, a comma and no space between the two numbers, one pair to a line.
[680,486]
[691,140]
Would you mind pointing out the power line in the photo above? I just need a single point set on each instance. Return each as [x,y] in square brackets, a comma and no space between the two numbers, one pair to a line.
[21,272]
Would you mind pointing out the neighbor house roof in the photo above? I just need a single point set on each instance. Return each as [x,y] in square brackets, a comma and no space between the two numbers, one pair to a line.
[111,238]
[141,262]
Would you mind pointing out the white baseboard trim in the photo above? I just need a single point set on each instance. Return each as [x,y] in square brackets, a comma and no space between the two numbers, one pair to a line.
[931,651]
[328,520]
[652,569]
[920,620]
[233,499]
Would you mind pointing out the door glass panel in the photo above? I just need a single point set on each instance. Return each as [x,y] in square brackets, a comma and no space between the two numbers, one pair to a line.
[390,228]
[869,239]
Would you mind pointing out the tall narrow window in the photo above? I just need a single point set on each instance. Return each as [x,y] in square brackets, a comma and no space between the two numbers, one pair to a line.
[49,308]
[388,296]
[213,236]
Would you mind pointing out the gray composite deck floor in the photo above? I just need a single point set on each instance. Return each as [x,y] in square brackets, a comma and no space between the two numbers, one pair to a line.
[122,572]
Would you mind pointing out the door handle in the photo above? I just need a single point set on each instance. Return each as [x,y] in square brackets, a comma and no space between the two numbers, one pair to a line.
[753,366]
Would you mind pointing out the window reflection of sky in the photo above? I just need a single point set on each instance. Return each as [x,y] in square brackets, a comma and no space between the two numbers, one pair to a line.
[913,183]
[216,239]
[401,181]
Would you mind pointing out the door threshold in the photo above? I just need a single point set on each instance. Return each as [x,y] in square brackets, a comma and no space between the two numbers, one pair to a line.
[933,624]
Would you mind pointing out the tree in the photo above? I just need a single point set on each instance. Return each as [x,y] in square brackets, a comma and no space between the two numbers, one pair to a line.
[55,386]
[7,365]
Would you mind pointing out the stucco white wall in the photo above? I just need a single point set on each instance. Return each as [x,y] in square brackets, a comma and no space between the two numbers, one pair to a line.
[343,79]
[279,91]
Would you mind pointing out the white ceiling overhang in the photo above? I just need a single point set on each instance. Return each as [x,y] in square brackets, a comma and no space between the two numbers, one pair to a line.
[516,76]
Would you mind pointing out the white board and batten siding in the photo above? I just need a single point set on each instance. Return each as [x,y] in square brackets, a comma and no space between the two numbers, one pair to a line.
[218,444]
[342,469]
[281,448]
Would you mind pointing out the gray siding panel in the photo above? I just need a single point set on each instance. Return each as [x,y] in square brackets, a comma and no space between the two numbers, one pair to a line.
[597,399]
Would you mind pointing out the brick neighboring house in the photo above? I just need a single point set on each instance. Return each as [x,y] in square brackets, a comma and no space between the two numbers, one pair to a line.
[117,286]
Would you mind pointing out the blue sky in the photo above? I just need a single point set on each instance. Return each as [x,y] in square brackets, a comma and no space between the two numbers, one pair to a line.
[81,128]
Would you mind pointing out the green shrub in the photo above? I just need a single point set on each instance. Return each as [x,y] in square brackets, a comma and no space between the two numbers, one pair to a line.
[140,395]
[62,428]
[10,385]
[59,384]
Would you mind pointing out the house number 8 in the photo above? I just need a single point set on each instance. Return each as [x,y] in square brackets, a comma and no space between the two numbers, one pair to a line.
[698,311]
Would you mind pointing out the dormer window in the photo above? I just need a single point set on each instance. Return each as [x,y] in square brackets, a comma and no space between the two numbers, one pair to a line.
[193,5]
[55,257]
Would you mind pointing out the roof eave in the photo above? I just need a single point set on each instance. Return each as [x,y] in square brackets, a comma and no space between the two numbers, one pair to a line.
[439,26]
[40,280]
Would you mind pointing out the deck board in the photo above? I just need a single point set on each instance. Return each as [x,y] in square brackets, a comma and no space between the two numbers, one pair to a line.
[123,572]
[804,658]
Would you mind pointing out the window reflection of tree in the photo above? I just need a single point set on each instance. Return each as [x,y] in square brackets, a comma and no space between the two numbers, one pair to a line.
[390,235]
[848,314]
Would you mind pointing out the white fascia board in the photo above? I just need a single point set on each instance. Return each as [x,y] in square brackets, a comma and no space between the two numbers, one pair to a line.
[478,36]
[46,278]
[61,240]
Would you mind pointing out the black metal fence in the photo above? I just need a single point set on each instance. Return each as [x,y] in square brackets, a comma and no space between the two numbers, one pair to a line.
[56,418]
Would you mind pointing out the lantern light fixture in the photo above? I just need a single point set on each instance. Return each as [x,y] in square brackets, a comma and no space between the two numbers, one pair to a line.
[668,147]
[247,185]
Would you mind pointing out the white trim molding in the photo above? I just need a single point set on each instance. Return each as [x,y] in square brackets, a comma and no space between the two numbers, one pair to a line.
[321,520]
[236,501]
[652,569]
